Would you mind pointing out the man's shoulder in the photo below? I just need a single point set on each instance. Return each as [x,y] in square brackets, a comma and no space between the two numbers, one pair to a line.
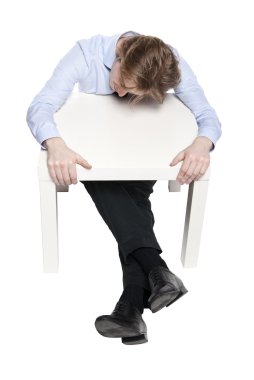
[100,38]
[97,39]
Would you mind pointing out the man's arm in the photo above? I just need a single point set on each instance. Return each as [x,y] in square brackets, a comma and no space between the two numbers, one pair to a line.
[61,160]
[196,157]
[54,94]
[192,95]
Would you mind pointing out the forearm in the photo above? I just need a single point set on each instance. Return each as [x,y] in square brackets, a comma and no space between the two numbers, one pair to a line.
[41,122]
[209,126]
[192,95]
[53,142]
[205,142]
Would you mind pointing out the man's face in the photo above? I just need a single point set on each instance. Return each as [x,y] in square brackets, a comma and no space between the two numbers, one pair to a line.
[118,84]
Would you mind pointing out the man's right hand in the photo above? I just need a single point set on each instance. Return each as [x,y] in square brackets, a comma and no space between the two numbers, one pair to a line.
[62,162]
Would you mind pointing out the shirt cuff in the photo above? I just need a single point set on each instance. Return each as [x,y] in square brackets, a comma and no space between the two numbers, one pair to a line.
[209,137]
[45,133]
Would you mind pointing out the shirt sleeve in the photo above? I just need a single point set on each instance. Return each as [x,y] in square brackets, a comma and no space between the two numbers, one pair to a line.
[54,94]
[192,95]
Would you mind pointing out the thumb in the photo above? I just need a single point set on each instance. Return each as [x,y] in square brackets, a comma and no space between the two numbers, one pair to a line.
[177,159]
[81,161]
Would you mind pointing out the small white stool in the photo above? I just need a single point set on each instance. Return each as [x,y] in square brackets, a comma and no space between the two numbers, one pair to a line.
[124,143]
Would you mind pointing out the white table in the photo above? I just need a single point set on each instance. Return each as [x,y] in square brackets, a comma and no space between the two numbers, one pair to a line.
[124,143]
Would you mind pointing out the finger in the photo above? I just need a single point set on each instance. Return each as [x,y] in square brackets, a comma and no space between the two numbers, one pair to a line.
[52,173]
[58,172]
[179,157]
[65,173]
[195,173]
[73,174]
[203,170]
[185,166]
[81,161]
[53,177]
[192,167]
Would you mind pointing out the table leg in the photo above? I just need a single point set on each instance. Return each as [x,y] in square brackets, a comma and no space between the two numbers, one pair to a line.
[195,210]
[49,224]
[173,186]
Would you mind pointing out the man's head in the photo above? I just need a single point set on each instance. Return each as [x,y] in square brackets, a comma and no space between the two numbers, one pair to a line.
[145,67]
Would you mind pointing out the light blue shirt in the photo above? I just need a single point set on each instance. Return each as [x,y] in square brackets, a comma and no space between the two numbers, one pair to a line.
[88,63]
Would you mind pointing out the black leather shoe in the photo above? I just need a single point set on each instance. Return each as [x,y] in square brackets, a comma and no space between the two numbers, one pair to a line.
[124,322]
[166,288]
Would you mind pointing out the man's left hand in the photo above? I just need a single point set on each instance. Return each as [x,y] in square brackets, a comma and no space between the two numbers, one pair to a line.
[196,159]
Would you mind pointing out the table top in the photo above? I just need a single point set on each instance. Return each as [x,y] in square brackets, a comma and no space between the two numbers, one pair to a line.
[124,142]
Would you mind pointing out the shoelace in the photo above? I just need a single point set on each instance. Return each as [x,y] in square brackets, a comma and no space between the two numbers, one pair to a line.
[120,307]
[156,277]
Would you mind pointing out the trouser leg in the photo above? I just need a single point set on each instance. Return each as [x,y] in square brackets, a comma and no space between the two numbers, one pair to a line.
[133,272]
[126,209]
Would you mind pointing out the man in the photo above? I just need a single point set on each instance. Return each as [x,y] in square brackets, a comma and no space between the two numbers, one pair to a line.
[143,66]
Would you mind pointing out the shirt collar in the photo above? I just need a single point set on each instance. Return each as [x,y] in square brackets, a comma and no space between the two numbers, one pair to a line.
[110,49]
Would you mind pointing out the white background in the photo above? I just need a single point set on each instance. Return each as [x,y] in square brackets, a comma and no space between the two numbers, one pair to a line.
[47,320]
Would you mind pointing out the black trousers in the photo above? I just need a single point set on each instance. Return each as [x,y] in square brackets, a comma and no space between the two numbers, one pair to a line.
[126,209]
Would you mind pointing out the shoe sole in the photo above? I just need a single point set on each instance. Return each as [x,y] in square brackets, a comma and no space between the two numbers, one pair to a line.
[166,298]
[138,339]
[116,329]
[182,292]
